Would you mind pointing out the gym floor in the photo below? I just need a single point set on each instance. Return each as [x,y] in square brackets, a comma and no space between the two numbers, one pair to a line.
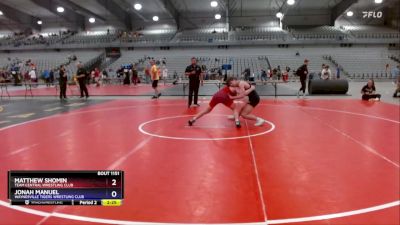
[319,160]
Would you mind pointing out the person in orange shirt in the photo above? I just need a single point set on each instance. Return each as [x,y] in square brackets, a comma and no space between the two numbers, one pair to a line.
[155,76]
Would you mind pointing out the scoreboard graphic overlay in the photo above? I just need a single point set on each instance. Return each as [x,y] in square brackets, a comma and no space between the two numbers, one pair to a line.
[91,188]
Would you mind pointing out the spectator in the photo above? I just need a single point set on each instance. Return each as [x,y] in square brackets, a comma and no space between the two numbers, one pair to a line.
[302,72]
[386,67]
[368,92]
[97,76]
[326,73]
[274,74]
[165,72]
[246,74]
[63,83]
[46,76]
[263,75]
[278,72]
[147,74]
[155,76]
[105,74]
[397,91]
[396,72]
[322,68]
[32,75]
[134,75]
[338,72]
[51,75]
[285,76]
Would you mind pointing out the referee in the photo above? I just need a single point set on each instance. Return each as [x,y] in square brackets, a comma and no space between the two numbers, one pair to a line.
[193,71]
[81,75]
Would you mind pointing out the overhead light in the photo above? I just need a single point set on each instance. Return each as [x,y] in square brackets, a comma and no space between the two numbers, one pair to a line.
[214,4]
[60,9]
[1,13]
[349,13]
[138,6]
[92,20]
[217,16]
[279,15]
[155,18]
[378,1]
[39,22]
[290,2]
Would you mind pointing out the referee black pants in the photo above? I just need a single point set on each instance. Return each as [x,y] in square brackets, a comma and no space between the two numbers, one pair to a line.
[194,85]
[82,85]
[63,89]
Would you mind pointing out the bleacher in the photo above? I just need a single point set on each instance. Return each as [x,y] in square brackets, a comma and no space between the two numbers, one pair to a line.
[161,36]
[202,35]
[43,39]
[372,32]
[46,60]
[322,32]
[258,33]
[363,63]
[91,38]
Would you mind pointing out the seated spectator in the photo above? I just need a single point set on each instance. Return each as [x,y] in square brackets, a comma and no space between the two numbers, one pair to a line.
[368,92]
[326,73]
[397,91]
[263,75]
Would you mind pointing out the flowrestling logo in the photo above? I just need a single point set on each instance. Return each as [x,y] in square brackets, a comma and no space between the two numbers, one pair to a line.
[372,14]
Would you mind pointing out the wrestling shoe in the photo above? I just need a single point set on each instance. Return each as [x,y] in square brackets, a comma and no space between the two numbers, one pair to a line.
[237,124]
[191,122]
[259,122]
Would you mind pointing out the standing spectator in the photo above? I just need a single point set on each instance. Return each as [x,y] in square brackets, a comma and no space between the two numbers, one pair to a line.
[134,75]
[274,75]
[32,75]
[193,71]
[63,83]
[246,73]
[105,74]
[81,76]
[165,73]
[368,92]
[338,72]
[279,72]
[387,67]
[127,76]
[147,74]
[155,76]
[326,73]
[46,76]
[51,76]
[285,76]
[302,72]
[396,72]
[97,76]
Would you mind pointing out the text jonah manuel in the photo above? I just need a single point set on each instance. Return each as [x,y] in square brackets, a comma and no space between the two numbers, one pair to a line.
[36,192]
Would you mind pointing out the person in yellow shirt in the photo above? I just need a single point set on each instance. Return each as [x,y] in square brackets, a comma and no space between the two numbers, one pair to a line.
[155,76]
